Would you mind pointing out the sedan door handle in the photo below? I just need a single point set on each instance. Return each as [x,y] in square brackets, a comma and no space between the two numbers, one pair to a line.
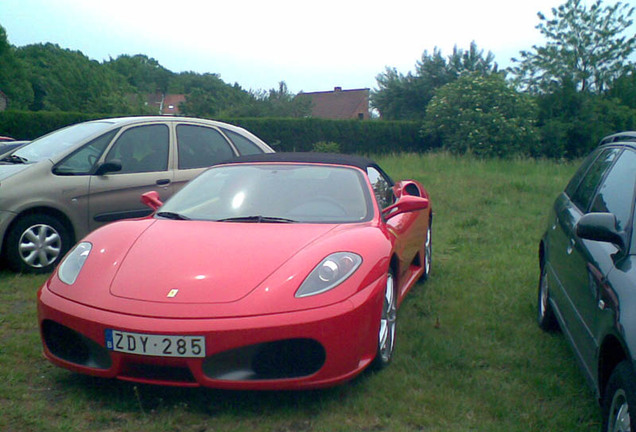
[162,182]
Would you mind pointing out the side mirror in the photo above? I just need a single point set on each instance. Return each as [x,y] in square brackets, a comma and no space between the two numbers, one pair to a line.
[110,166]
[152,200]
[600,227]
[405,204]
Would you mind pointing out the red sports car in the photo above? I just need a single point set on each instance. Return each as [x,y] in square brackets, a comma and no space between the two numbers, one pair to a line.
[273,271]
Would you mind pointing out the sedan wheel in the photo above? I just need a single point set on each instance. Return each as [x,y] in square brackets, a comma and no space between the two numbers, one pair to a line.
[545,315]
[36,244]
[618,398]
[388,323]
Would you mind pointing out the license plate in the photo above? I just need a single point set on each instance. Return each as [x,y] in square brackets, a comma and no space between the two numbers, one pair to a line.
[155,345]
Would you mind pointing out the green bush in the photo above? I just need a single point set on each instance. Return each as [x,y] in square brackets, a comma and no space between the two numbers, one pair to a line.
[482,115]
[326,147]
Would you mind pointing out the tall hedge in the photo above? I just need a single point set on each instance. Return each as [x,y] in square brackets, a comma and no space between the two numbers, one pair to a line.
[28,125]
[353,136]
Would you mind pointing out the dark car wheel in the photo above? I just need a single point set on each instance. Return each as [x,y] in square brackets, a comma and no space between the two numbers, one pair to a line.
[388,323]
[36,244]
[545,314]
[619,400]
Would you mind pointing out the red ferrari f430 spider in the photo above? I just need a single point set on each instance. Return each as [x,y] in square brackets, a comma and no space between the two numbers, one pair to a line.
[273,271]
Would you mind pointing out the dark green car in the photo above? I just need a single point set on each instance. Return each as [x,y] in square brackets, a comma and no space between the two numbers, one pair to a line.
[587,286]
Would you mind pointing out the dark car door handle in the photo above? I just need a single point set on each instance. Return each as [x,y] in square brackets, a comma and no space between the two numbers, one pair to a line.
[162,182]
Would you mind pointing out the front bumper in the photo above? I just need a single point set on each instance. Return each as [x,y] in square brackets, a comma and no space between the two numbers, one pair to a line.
[305,349]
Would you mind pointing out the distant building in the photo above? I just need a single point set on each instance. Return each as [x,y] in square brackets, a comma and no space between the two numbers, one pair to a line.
[165,104]
[171,104]
[339,104]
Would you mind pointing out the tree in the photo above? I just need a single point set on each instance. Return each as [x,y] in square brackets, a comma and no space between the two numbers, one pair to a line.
[13,78]
[624,88]
[143,73]
[207,94]
[405,97]
[586,47]
[282,103]
[65,80]
[573,122]
[396,97]
[482,115]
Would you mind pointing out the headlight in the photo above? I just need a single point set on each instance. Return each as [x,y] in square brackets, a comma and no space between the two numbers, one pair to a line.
[330,273]
[73,263]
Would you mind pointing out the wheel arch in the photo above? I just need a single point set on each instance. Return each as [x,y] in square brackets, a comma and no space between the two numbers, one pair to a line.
[541,254]
[57,214]
[611,353]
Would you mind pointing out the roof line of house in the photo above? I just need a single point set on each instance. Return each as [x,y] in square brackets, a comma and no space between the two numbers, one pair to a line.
[335,90]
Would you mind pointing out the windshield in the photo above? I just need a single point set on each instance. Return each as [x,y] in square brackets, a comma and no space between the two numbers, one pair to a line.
[274,193]
[57,142]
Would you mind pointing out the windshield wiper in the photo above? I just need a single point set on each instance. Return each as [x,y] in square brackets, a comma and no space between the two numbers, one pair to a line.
[172,215]
[257,219]
[14,159]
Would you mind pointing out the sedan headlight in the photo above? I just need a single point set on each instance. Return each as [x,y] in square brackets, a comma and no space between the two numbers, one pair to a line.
[73,263]
[330,273]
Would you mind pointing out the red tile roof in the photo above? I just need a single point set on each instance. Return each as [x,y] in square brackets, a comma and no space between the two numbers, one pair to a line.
[171,104]
[339,103]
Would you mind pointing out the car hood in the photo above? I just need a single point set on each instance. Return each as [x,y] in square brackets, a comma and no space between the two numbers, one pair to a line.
[8,170]
[206,262]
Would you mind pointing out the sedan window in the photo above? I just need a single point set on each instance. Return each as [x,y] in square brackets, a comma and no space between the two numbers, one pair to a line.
[617,191]
[83,160]
[201,147]
[586,189]
[244,145]
[142,149]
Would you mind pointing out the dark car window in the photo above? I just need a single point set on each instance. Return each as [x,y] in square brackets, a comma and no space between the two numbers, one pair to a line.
[381,188]
[586,188]
[142,149]
[617,191]
[244,145]
[201,147]
[83,160]
[570,189]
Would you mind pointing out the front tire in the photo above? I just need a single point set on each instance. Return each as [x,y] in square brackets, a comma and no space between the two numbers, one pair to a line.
[545,314]
[388,324]
[36,244]
[620,399]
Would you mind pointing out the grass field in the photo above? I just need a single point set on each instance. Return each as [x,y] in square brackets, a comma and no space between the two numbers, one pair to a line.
[469,355]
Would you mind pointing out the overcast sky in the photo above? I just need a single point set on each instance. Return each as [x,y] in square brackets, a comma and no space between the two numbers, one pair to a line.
[312,46]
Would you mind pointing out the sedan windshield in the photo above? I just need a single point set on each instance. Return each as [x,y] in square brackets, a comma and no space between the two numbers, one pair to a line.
[274,193]
[57,142]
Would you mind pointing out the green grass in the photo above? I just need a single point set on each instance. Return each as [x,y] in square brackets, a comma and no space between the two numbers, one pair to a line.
[469,357]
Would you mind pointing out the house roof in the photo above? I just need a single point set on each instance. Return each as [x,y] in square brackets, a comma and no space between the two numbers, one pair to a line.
[171,103]
[339,103]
